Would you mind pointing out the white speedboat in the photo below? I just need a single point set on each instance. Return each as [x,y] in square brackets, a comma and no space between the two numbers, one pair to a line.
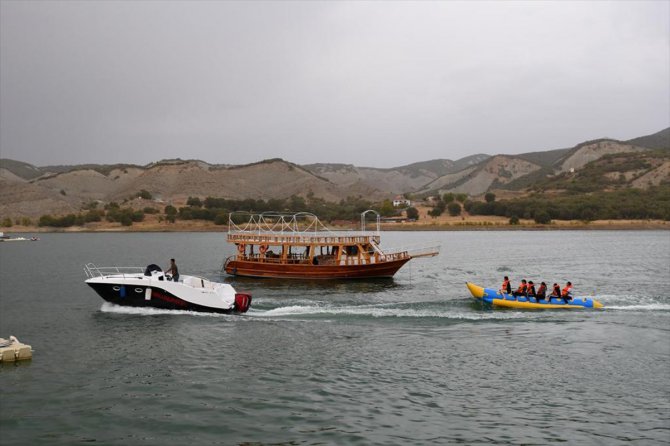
[151,287]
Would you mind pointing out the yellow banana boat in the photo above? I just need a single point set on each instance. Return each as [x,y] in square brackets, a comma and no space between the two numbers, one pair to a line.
[500,299]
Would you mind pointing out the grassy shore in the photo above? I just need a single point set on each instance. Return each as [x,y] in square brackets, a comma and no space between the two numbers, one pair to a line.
[442,223]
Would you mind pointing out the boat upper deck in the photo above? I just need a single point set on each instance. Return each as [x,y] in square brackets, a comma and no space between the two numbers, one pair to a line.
[306,230]
[301,239]
[299,229]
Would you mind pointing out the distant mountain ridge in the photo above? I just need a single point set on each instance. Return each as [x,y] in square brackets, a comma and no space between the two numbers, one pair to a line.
[659,140]
[33,191]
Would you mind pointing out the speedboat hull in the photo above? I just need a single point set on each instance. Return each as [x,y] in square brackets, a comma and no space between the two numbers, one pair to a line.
[500,299]
[155,290]
[136,296]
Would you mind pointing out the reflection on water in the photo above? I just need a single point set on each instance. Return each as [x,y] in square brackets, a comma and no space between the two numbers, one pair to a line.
[330,286]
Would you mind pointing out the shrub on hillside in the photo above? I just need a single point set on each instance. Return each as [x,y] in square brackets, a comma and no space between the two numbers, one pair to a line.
[412,213]
[542,217]
[454,208]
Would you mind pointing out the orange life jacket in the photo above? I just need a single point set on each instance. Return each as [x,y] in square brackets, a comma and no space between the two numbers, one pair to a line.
[542,290]
[522,287]
[566,290]
[505,285]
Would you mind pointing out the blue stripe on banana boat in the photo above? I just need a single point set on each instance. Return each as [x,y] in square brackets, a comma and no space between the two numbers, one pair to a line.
[498,298]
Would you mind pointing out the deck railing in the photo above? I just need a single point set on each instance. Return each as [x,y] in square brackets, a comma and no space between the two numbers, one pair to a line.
[300,224]
[103,271]
[416,250]
[332,238]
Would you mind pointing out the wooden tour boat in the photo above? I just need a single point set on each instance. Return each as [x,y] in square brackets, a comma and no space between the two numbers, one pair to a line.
[299,246]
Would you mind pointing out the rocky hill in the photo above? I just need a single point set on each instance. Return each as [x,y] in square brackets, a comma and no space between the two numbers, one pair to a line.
[27,190]
[586,152]
[170,181]
[397,180]
[659,140]
[527,170]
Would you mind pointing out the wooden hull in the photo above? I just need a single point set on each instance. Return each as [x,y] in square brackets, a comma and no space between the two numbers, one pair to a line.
[307,271]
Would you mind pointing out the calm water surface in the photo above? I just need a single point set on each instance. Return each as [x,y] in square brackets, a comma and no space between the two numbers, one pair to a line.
[412,360]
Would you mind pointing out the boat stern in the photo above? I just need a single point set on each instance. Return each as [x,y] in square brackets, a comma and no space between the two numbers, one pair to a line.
[477,291]
[242,302]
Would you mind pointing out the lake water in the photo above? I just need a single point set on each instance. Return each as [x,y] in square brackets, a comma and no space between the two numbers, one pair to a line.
[412,360]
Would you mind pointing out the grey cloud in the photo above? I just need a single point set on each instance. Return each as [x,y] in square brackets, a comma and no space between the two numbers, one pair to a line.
[371,83]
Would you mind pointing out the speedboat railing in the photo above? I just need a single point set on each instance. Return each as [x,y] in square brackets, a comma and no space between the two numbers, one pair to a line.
[103,271]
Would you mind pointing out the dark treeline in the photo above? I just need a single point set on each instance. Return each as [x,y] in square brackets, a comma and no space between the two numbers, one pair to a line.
[634,204]
[218,209]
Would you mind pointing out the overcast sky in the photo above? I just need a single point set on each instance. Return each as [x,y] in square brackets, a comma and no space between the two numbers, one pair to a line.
[378,84]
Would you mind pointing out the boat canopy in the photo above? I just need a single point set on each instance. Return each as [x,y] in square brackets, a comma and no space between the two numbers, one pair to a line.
[298,228]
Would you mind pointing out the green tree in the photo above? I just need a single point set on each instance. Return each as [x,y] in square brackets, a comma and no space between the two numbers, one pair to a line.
[144,194]
[435,212]
[387,209]
[93,215]
[448,197]
[490,197]
[412,213]
[194,201]
[454,209]
[221,218]
[126,220]
[461,197]
[542,217]
[514,220]
[170,210]
[7,222]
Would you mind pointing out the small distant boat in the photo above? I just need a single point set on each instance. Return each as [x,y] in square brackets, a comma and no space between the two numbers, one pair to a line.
[13,350]
[300,246]
[151,287]
[500,299]
[6,238]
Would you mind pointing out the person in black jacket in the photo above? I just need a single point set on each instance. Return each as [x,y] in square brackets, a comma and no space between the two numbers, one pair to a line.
[506,286]
[530,289]
[541,292]
[172,269]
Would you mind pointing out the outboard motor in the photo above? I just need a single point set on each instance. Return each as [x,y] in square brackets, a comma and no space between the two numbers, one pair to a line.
[151,268]
[242,302]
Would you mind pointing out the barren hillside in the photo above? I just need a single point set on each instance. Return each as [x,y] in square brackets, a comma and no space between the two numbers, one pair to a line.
[587,152]
[27,190]
[492,173]
[172,181]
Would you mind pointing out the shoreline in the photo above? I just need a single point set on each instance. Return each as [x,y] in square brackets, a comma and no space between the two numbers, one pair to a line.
[472,225]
